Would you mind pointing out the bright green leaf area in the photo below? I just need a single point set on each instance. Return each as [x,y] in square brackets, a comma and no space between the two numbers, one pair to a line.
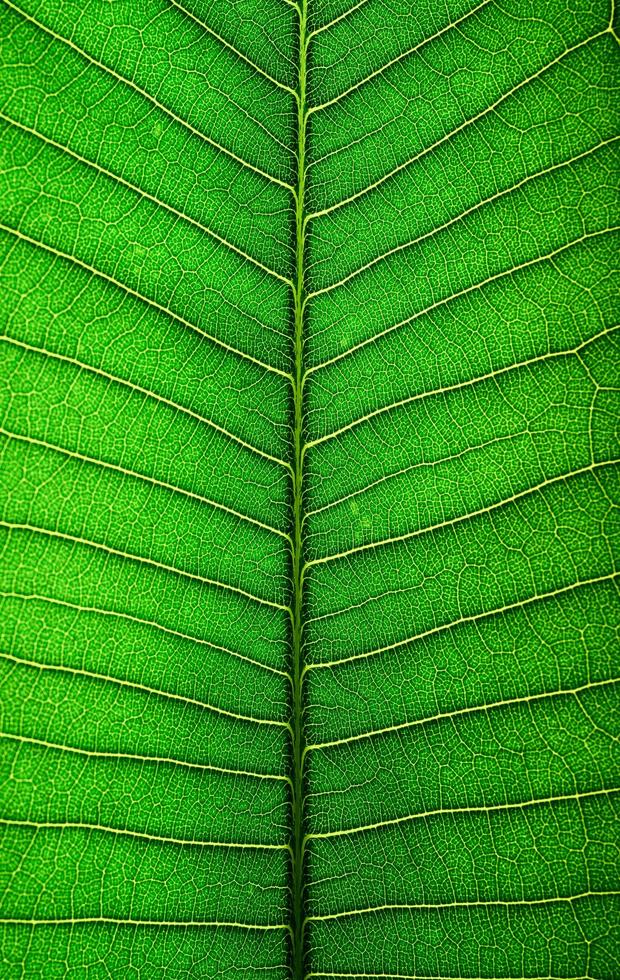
[309,499]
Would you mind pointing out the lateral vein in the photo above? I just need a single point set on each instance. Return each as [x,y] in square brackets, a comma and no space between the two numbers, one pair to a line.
[459,385]
[460,518]
[251,64]
[104,464]
[474,209]
[336,20]
[72,259]
[144,94]
[455,811]
[457,129]
[422,464]
[134,757]
[142,688]
[134,188]
[418,976]
[501,903]
[139,621]
[157,923]
[474,618]
[124,382]
[417,47]
[460,712]
[131,556]
[141,835]
[474,287]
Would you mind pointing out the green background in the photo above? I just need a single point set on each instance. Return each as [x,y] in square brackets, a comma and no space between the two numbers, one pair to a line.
[448,249]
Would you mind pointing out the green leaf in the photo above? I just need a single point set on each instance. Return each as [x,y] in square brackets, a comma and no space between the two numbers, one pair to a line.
[309,621]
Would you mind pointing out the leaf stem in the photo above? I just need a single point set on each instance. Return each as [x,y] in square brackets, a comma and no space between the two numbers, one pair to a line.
[297,550]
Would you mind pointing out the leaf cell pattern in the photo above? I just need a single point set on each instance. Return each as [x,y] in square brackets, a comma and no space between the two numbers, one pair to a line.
[310,614]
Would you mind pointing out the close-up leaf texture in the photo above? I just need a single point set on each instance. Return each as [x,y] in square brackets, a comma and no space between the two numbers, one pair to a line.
[309,506]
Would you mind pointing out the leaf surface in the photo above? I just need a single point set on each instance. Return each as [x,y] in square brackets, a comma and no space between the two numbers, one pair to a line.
[310,613]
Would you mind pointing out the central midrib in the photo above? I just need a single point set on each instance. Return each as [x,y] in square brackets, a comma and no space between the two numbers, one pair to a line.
[297,842]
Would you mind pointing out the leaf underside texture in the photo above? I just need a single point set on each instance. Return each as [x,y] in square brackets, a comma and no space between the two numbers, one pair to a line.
[309,528]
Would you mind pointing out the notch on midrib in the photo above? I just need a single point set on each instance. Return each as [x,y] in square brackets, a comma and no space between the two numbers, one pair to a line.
[297,910]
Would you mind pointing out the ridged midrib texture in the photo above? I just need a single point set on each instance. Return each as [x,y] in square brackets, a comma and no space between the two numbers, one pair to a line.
[296,531]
